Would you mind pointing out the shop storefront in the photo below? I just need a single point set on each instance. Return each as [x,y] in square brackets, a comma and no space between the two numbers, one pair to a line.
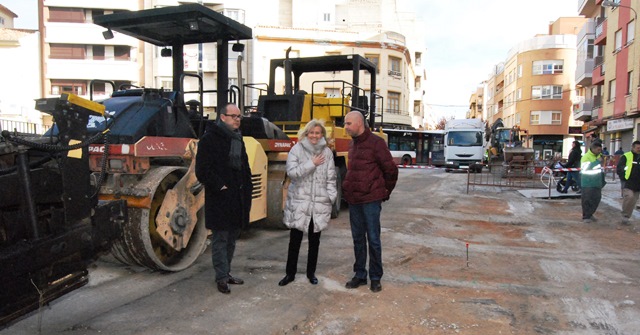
[618,134]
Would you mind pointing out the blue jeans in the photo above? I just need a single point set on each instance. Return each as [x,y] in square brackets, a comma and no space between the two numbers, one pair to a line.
[365,228]
[223,245]
[571,175]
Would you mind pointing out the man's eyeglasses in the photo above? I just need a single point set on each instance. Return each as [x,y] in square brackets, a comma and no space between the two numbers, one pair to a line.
[234,116]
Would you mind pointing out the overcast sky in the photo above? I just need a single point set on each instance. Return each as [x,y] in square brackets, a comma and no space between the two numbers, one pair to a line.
[464,39]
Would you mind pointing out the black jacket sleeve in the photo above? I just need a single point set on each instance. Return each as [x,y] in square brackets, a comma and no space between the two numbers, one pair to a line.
[620,167]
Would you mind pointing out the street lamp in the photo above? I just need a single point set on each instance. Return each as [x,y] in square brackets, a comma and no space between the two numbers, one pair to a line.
[615,4]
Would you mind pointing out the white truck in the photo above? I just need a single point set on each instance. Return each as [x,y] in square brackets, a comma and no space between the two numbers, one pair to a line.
[464,144]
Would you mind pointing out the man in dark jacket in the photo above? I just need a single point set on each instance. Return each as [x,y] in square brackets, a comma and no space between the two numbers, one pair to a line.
[628,170]
[573,162]
[223,168]
[370,179]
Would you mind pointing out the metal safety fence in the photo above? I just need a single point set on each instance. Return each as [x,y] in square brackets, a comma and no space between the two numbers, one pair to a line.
[520,175]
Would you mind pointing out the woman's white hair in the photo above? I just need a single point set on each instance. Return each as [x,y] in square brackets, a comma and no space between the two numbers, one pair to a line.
[302,133]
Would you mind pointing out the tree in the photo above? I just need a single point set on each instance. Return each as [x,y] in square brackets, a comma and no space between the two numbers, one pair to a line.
[442,122]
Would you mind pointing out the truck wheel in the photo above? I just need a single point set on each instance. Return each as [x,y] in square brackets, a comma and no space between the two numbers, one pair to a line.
[276,195]
[140,242]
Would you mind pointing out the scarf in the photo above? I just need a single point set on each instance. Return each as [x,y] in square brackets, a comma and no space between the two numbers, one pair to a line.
[313,148]
[235,152]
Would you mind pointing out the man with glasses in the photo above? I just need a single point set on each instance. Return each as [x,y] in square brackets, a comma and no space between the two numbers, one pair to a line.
[222,166]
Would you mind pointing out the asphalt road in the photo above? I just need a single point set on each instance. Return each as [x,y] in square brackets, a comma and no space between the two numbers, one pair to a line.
[531,267]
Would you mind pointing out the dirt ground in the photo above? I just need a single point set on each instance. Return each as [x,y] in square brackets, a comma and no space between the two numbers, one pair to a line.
[531,267]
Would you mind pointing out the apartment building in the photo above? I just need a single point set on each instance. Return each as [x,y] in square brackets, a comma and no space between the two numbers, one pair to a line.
[534,89]
[75,52]
[476,104]
[19,75]
[374,29]
[607,47]
[6,17]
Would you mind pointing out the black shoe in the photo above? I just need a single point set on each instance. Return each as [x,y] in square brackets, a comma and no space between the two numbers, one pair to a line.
[563,191]
[223,287]
[313,280]
[286,280]
[356,282]
[235,280]
[376,286]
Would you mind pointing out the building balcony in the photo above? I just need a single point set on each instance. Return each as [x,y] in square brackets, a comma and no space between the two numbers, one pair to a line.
[597,76]
[584,110]
[92,69]
[601,32]
[84,33]
[588,30]
[586,7]
[584,72]
[102,4]
[597,102]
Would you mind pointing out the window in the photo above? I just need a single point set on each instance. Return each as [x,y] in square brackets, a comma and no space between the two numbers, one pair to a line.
[121,52]
[375,59]
[167,85]
[234,14]
[1,21]
[520,71]
[519,94]
[418,58]
[535,118]
[629,82]
[99,88]
[394,67]
[545,118]
[546,92]
[618,41]
[631,31]
[612,90]
[67,51]
[393,105]
[556,117]
[326,17]
[548,67]
[98,52]
[57,14]
[68,86]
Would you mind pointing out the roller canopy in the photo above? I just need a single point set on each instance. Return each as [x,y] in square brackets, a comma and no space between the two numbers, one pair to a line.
[179,25]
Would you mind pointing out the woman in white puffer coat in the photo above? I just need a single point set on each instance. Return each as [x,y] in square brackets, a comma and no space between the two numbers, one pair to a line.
[310,196]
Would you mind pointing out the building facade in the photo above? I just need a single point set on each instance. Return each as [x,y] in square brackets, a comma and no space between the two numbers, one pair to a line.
[476,104]
[75,52]
[19,84]
[76,59]
[534,89]
[610,108]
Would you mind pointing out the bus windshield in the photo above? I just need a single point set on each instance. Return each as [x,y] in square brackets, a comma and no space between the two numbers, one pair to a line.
[465,138]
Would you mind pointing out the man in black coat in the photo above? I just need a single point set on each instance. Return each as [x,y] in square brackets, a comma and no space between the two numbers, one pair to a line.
[222,166]
[628,170]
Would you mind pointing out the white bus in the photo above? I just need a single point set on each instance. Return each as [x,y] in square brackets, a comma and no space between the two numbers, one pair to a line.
[410,147]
